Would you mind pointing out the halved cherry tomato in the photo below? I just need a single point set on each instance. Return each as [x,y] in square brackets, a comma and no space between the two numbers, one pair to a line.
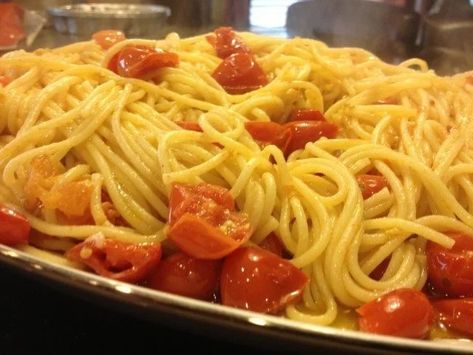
[451,270]
[184,275]
[186,198]
[141,62]
[107,38]
[116,260]
[273,244]
[14,227]
[239,73]
[191,126]
[204,223]
[304,132]
[456,314]
[11,24]
[403,312]
[371,184]
[307,114]
[260,281]
[5,80]
[469,79]
[379,271]
[291,135]
[226,42]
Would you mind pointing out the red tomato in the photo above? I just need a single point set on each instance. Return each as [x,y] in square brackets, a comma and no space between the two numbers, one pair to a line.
[107,38]
[371,184]
[403,312]
[141,62]
[303,132]
[116,260]
[469,79]
[186,198]
[226,42]
[14,227]
[292,135]
[204,223]
[456,314]
[191,126]
[187,276]
[239,73]
[273,244]
[5,80]
[202,239]
[257,280]
[11,24]
[307,114]
[451,270]
[379,271]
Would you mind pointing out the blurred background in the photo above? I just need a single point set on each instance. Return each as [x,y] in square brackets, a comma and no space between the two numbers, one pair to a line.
[439,31]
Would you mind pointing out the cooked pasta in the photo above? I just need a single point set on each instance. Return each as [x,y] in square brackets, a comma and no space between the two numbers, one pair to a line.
[69,117]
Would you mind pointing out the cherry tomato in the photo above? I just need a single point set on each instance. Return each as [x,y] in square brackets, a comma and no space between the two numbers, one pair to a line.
[239,73]
[469,79]
[273,244]
[307,114]
[260,281]
[204,223]
[379,271]
[5,80]
[11,24]
[303,132]
[451,270]
[456,314]
[403,312]
[187,276]
[14,227]
[226,42]
[116,260]
[292,135]
[185,198]
[141,62]
[191,126]
[371,184]
[107,38]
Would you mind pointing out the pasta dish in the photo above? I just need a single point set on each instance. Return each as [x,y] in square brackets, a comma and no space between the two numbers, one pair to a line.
[275,175]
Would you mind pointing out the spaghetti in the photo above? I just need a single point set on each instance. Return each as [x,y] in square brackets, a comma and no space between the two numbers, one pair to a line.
[100,131]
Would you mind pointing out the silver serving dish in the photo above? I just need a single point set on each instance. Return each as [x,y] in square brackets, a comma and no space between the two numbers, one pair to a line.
[133,20]
[210,319]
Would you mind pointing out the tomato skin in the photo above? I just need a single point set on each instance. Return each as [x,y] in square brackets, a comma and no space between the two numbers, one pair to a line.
[306,114]
[304,132]
[107,38]
[184,275]
[451,270]
[371,184]
[191,126]
[273,244]
[116,260]
[14,227]
[204,222]
[291,136]
[402,312]
[11,24]
[239,73]
[5,80]
[141,62]
[258,280]
[456,314]
[186,198]
[226,42]
[203,240]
